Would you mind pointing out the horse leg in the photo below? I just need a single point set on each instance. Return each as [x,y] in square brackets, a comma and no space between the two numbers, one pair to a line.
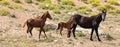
[91,34]
[44,32]
[28,30]
[31,30]
[68,35]
[61,31]
[39,33]
[74,34]
[96,30]
[74,28]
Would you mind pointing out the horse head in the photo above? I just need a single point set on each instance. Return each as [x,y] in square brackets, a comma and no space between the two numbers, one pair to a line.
[48,15]
[104,14]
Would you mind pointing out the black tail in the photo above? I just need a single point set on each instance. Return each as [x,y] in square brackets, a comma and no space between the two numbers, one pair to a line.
[58,26]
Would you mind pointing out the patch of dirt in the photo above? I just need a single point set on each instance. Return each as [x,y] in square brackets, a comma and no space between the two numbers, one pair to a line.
[13,35]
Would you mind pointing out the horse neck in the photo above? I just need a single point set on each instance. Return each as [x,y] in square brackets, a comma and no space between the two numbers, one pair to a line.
[63,23]
[71,20]
[44,18]
[99,17]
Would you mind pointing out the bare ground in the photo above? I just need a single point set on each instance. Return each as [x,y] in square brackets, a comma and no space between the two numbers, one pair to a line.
[13,35]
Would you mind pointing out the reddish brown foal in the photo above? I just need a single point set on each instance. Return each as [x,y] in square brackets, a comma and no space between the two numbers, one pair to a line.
[66,25]
[37,22]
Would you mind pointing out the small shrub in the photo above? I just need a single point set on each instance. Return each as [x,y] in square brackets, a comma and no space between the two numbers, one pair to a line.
[83,9]
[57,11]
[4,11]
[47,1]
[80,34]
[111,12]
[91,1]
[93,14]
[52,6]
[55,17]
[66,18]
[18,25]
[67,2]
[95,4]
[48,6]
[108,6]
[42,5]
[28,1]
[12,15]
[101,7]
[51,26]
[40,0]
[48,27]
[17,1]
[73,9]
[4,2]
[15,6]
[60,6]
[109,37]
[113,2]
[70,41]
[25,9]
[36,3]
[45,28]
[85,1]
[81,42]
[68,7]
[44,1]
[51,39]
[117,11]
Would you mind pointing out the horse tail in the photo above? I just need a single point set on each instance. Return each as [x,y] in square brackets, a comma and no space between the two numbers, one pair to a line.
[58,26]
[24,24]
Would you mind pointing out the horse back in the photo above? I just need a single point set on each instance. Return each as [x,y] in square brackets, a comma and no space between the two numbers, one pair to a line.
[83,21]
[35,22]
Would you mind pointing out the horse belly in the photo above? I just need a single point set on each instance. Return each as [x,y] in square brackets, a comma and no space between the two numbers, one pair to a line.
[37,25]
[87,25]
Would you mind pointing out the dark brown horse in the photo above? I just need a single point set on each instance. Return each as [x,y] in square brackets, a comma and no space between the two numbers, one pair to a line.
[66,25]
[37,22]
[89,22]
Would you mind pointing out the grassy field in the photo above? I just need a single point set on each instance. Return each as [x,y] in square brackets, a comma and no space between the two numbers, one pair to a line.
[13,14]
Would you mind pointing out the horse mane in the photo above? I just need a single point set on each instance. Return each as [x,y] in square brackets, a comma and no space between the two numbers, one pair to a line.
[44,14]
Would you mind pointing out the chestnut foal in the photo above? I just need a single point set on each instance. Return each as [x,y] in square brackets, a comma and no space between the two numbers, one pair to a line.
[66,25]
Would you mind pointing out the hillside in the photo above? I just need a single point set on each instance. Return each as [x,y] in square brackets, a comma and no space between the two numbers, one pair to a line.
[13,14]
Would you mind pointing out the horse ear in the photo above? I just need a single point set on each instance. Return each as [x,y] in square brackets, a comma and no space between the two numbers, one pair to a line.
[105,10]
[47,11]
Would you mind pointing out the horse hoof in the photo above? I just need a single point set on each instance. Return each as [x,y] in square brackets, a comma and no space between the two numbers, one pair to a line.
[91,39]
[68,36]
[39,40]
[99,40]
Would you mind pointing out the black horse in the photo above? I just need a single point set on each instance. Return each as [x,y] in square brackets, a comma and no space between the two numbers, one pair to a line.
[88,22]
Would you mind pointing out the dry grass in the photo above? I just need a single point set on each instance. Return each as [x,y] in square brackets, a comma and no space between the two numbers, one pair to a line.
[13,35]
